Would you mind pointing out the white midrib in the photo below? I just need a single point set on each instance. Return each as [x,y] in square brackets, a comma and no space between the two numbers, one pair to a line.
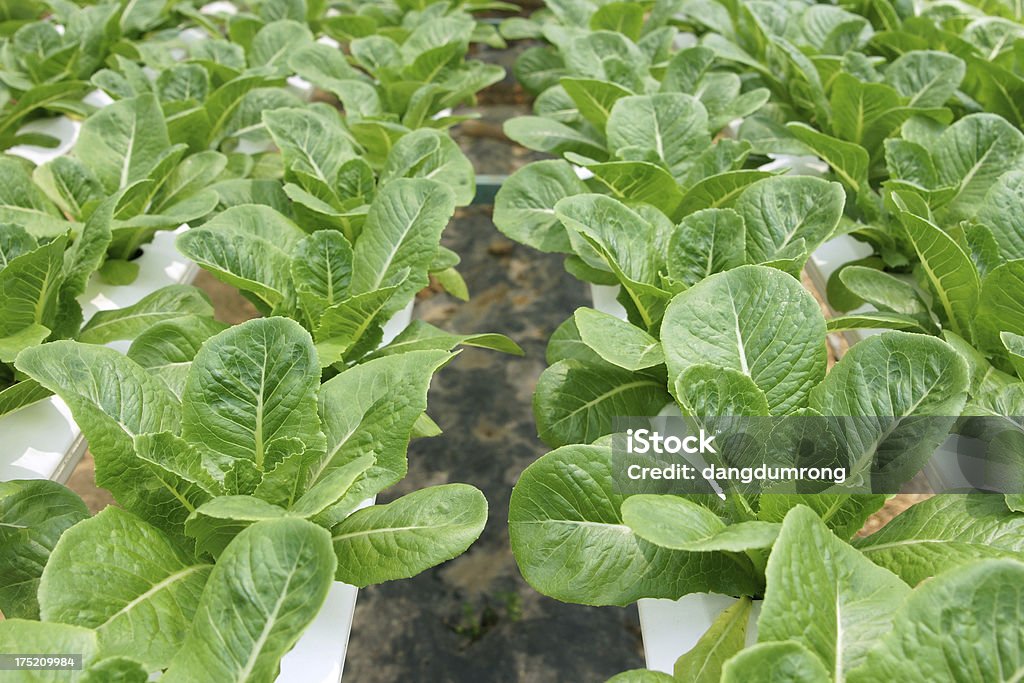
[44,292]
[126,164]
[947,304]
[915,542]
[922,92]
[659,143]
[622,528]
[127,10]
[389,530]
[330,456]
[971,173]
[714,646]
[159,315]
[1017,677]
[382,271]
[740,346]
[268,625]
[258,432]
[608,394]
[156,588]
[305,147]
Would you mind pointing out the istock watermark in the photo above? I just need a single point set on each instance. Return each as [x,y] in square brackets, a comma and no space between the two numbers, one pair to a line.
[815,454]
[643,441]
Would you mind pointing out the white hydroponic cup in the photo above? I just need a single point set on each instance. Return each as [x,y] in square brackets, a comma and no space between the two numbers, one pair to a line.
[219,7]
[42,441]
[603,298]
[98,99]
[582,172]
[300,87]
[319,656]
[64,129]
[673,627]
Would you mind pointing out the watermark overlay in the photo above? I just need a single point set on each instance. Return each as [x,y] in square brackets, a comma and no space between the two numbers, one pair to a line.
[815,454]
[40,662]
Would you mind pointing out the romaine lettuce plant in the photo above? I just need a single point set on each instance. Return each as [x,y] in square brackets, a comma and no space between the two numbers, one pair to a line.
[332,171]
[830,614]
[343,286]
[577,114]
[748,342]
[161,608]
[722,221]
[212,91]
[41,279]
[627,40]
[404,79]
[47,64]
[253,444]
[398,18]
[123,150]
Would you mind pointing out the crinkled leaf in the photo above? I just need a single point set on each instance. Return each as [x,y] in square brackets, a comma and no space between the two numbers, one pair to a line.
[755,320]
[172,301]
[250,387]
[33,515]
[524,208]
[962,625]
[265,589]
[571,544]
[826,596]
[402,231]
[403,538]
[149,590]
[945,532]
[577,402]
[617,341]
[123,142]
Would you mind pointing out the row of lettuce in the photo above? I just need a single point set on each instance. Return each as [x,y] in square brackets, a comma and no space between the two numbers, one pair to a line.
[243,458]
[688,137]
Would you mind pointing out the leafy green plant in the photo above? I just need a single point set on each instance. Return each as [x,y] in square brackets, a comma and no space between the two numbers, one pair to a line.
[743,343]
[45,68]
[680,181]
[876,626]
[746,342]
[728,219]
[396,19]
[41,279]
[616,38]
[332,174]
[340,290]
[254,445]
[47,64]
[576,112]
[402,80]
[162,608]
[212,91]
[125,150]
